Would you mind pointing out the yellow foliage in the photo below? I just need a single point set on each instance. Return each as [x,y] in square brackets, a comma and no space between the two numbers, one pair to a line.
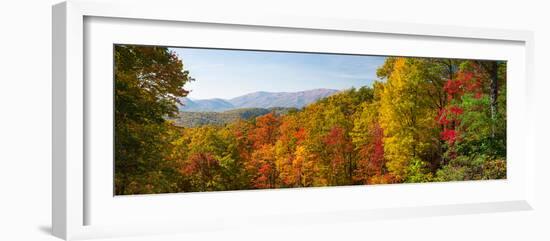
[406,115]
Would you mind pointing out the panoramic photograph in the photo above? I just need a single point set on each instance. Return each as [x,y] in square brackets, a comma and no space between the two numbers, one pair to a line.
[205,119]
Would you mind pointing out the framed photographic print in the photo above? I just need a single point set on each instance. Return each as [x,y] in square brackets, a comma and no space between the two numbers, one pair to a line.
[198,120]
[213,122]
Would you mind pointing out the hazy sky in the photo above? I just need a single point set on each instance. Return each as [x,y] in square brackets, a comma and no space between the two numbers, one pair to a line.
[230,73]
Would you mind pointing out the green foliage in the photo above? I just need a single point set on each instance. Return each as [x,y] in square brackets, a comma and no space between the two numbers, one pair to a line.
[451,173]
[417,172]
[468,168]
[148,82]
[476,126]
[494,169]
[194,119]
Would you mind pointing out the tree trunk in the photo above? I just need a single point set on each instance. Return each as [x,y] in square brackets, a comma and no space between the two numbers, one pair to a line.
[493,71]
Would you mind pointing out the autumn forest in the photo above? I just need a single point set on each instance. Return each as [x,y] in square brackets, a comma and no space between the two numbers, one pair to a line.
[419,120]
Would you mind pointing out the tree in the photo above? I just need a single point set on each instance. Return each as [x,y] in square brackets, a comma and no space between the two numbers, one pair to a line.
[203,169]
[406,115]
[474,133]
[148,83]
[288,163]
[265,131]
[339,151]
[262,165]
[203,164]
[491,69]
[304,167]
[368,139]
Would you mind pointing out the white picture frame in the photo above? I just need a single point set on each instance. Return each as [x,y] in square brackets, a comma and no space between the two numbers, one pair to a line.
[84,207]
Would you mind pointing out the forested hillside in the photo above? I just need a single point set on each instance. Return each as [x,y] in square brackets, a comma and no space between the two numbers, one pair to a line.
[194,119]
[425,120]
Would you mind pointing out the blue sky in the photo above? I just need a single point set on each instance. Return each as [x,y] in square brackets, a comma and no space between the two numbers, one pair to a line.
[230,73]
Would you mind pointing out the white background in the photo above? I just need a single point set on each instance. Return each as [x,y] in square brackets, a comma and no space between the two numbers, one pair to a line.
[25,123]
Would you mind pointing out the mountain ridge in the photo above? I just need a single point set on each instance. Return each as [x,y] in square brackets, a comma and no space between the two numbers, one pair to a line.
[258,99]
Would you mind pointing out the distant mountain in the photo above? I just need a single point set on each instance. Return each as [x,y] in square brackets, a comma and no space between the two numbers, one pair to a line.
[281,99]
[259,99]
[194,119]
[209,105]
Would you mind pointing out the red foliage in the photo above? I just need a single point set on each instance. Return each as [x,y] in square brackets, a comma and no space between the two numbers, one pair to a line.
[449,136]
[262,166]
[466,82]
[240,131]
[265,131]
[264,175]
[371,161]
[441,117]
[338,144]
[456,110]
[334,137]
[300,135]
[449,119]
[203,164]
[263,180]
[338,139]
